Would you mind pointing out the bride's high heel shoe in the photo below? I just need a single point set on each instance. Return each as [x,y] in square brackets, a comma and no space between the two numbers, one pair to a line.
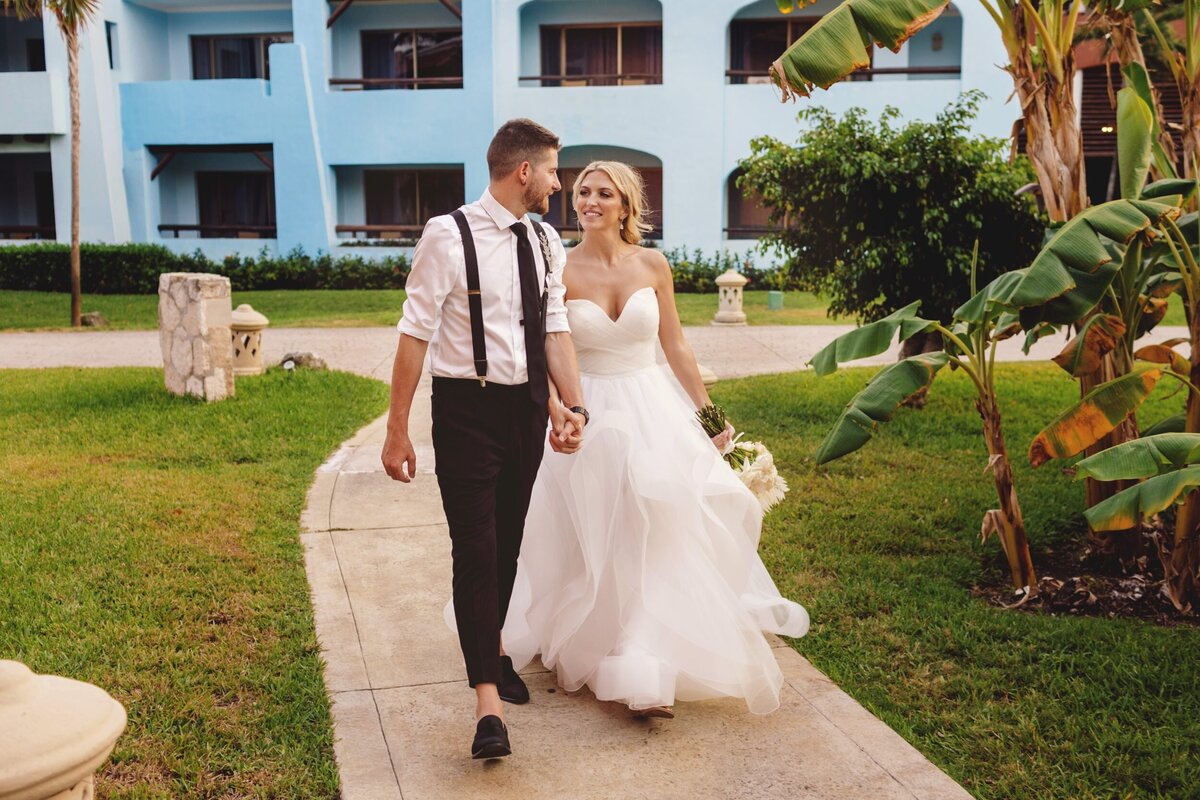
[655,712]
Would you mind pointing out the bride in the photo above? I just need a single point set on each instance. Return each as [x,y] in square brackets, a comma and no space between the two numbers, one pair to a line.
[639,574]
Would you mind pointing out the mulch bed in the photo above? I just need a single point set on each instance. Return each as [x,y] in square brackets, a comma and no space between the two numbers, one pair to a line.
[1072,580]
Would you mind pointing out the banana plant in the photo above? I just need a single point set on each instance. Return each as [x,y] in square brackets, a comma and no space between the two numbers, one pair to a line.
[971,340]
[1184,61]
[1114,401]
[1167,467]
[1038,37]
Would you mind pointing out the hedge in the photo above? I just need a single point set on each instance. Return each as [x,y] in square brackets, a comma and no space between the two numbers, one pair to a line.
[134,269]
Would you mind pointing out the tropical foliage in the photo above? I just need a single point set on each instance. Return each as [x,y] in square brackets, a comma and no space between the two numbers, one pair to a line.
[920,195]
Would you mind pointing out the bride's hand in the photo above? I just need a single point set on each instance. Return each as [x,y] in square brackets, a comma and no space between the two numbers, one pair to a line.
[566,429]
[724,440]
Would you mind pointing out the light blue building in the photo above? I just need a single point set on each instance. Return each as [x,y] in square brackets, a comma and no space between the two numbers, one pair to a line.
[234,125]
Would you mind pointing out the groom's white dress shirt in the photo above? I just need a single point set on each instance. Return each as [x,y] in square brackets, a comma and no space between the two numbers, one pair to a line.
[436,309]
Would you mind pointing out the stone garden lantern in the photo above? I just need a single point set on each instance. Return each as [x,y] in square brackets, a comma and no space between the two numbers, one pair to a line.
[247,330]
[729,307]
[54,734]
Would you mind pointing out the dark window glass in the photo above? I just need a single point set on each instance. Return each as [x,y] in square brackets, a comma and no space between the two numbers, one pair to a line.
[408,197]
[43,198]
[749,217]
[413,59]
[236,198]
[35,55]
[233,56]
[623,54]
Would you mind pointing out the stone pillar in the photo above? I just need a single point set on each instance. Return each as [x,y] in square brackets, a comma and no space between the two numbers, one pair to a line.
[54,734]
[729,306]
[194,317]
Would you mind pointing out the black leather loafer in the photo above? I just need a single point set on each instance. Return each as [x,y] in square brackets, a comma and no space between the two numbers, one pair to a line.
[512,689]
[491,738]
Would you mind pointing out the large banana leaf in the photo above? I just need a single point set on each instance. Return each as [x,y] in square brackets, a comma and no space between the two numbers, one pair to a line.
[1075,268]
[1125,509]
[1142,458]
[878,401]
[1135,126]
[1083,355]
[1100,410]
[871,339]
[1138,80]
[838,44]
[1177,423]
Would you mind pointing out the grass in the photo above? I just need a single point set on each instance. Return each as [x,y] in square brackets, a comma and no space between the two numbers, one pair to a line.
[149,544]
[883,549]
[345,308]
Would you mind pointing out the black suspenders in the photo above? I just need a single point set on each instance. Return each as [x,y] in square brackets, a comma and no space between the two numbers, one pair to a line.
[475,300]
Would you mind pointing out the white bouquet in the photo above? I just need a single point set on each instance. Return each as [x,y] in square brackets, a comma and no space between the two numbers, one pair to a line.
[751,461]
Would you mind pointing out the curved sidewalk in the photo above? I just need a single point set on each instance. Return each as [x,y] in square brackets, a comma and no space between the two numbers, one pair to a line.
[378,559]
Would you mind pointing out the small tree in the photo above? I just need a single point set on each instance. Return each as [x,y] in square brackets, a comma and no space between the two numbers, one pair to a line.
[881,215]
[72,17]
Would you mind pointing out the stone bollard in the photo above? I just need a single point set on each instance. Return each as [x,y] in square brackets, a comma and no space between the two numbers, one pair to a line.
[247,329]
[54,734]
[729,307]
[194,315]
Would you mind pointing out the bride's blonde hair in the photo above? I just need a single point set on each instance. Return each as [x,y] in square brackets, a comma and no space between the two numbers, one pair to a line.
[633,194]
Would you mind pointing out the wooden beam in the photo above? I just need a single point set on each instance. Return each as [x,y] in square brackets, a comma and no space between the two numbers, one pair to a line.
[455,10]
[265,160]
[337,12]
[162,164]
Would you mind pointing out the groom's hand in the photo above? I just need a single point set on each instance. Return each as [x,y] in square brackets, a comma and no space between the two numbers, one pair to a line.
[398,453]
[566,429]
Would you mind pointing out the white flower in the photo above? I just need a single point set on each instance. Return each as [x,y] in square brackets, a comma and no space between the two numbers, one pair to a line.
[760,476]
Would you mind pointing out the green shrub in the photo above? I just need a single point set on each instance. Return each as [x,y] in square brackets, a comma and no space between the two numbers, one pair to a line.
[875,215]
[134,269]
[696,273]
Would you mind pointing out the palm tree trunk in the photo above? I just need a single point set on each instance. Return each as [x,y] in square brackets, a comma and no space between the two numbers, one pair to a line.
[72,37]
[1007,521]
[1191,129]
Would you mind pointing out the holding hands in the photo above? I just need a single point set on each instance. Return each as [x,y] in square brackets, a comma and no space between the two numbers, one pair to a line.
[566,428]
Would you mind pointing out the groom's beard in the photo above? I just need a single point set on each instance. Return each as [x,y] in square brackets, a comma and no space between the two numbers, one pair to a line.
[536,202]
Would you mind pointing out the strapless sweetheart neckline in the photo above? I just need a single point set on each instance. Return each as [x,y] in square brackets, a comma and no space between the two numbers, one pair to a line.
[621,314]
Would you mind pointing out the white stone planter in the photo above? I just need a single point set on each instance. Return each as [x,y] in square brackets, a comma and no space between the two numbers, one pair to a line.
[54,734]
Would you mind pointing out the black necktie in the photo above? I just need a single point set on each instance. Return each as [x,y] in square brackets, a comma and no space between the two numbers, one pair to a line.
[535,337]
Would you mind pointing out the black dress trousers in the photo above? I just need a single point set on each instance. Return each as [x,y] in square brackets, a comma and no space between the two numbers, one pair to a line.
[488,443]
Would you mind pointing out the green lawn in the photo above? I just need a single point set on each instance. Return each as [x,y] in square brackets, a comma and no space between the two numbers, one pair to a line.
[883,549]
[352,307]
[149,544]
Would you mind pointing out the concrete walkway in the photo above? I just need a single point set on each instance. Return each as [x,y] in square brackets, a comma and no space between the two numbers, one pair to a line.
[378,559]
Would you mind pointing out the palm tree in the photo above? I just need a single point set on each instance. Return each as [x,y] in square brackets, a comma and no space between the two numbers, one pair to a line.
[72,17]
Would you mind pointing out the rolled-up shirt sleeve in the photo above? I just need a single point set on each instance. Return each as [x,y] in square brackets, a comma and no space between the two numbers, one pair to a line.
[436,262]
[556,307]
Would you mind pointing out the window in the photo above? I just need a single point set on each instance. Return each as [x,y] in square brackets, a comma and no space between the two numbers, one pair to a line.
[236,204]
[412,59]
[562,212]
[754,44]
[406,198]
[749,217]
[215,57]
[624,54]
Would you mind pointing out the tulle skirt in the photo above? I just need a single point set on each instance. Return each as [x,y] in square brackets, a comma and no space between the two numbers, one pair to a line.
[639,573]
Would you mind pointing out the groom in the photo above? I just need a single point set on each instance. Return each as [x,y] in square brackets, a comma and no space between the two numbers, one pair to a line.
[485,299]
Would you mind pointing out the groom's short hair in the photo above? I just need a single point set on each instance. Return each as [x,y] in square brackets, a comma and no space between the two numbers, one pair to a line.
[518,141]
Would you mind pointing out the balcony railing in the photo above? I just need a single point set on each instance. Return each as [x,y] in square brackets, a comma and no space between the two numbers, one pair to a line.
[612,79]
[381,231]
[222,231]
[866,73]
[398,83]
[748,231]
[27,232]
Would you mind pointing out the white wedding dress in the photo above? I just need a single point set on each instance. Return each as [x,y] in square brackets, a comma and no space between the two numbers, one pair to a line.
[639,573]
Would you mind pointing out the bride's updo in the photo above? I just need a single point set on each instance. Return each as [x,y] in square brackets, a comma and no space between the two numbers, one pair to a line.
[633,193]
